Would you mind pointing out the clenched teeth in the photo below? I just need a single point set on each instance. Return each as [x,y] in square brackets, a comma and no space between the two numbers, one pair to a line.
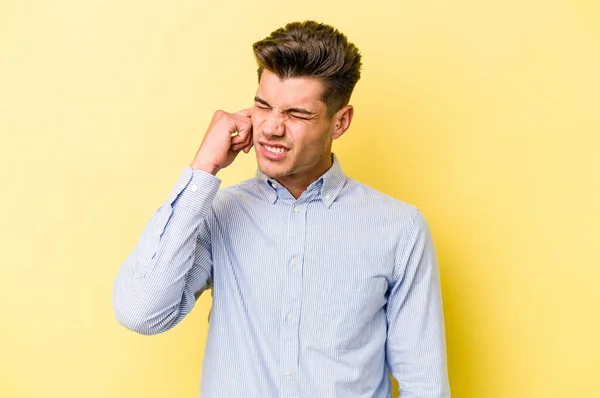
[275,150]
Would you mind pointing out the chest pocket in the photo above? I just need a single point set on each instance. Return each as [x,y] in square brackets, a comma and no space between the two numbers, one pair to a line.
[348,311]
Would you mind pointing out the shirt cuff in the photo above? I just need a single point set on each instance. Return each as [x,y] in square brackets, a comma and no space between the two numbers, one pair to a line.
[195,190]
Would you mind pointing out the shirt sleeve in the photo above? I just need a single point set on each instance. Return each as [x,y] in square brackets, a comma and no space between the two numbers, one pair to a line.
[416,343]
[170,266]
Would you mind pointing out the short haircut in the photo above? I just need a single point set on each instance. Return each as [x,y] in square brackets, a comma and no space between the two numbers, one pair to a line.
[312,49]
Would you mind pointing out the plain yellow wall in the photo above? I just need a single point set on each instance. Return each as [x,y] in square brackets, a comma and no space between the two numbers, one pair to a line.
[485,114]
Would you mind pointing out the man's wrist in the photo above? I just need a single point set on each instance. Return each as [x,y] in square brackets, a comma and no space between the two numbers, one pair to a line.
[206,167]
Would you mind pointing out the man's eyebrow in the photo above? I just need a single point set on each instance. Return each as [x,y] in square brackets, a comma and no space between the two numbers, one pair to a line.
[262,101]
[290,110]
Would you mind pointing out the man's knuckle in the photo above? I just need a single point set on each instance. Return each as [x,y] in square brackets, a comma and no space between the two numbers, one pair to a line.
[219,114]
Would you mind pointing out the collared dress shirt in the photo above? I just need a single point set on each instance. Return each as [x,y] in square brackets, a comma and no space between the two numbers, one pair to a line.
[312,297]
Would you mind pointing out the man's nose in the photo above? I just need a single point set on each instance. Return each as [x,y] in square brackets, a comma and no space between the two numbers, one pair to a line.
[274,124]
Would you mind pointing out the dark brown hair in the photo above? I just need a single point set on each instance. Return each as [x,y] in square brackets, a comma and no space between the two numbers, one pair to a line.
[312,49]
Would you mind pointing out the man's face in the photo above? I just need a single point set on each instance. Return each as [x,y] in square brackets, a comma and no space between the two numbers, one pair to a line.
[292,131]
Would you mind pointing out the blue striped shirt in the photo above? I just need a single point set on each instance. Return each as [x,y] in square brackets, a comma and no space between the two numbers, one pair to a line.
[312,297]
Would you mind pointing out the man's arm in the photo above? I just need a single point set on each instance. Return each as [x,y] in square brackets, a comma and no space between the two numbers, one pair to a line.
[155,287]
[416,343]
[171,265]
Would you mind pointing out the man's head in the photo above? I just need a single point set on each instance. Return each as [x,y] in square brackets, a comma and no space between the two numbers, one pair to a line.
[306,72]
[313,50]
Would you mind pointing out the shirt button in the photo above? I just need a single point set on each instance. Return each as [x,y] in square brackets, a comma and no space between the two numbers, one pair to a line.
[288,373]
[194,188]
[289,318]
[294,262]
[274,185]
[327,197]
[296,210]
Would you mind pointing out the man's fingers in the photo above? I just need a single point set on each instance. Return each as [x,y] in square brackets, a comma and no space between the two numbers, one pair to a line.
[242,129]
[237,139]
[241,133]
[247,148]
[243,121]
[227,134]
[238,147]
[244,148]
[241,141]
[244,112]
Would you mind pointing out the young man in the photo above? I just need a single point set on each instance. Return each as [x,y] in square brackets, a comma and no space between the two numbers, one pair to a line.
[320,284]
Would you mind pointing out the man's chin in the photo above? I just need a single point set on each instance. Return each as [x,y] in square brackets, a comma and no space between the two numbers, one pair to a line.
[271,170]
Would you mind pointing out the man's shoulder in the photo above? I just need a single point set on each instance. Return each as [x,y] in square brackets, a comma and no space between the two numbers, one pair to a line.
[244,188]
[250,183]
[359,191]
[383,207]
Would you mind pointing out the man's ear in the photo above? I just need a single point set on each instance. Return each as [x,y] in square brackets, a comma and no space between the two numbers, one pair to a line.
[342,120]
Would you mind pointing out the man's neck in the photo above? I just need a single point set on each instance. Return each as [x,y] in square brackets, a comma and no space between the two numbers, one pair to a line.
[296,186]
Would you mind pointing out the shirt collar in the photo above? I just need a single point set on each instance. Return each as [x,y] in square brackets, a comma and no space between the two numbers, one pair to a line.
[329,185]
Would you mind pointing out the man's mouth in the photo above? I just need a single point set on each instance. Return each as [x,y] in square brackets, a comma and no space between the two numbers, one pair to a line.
[275,149]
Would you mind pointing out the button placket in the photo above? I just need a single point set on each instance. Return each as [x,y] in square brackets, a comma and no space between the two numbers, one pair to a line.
[292,299]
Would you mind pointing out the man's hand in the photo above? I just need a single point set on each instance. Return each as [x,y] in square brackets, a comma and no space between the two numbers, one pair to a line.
[227,134]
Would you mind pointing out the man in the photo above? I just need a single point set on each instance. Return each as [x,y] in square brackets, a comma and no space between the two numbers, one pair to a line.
[320,284]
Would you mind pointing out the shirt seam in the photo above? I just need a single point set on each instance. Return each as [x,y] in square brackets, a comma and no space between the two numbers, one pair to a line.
[405,241]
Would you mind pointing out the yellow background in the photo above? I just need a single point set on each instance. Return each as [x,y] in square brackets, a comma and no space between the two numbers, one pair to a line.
[485,114]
